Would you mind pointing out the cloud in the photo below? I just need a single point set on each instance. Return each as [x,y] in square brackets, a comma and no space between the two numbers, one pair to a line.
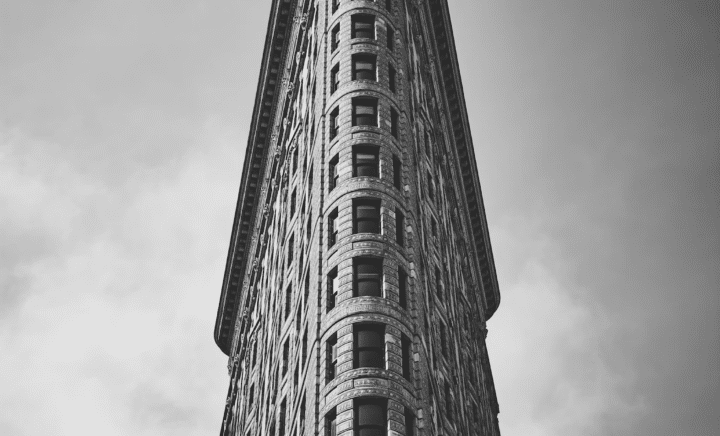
[108,315]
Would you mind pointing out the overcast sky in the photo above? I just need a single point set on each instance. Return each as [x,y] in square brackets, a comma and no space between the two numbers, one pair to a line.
[122,131]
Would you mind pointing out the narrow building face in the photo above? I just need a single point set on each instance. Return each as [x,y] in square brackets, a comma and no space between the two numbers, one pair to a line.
[360,273]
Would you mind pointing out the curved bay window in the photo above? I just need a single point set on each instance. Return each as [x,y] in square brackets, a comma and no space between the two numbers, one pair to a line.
[363,67]
[370,416]
[363,26]
[364,111]
[366,215]
[367,277]
[366,162]
[369,346]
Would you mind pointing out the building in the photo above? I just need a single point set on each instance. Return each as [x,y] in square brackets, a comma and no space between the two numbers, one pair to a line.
[360,273]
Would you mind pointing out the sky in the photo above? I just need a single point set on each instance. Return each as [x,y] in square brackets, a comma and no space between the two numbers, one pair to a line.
[597,135]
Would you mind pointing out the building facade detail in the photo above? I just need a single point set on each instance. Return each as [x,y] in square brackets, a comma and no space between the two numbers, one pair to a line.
[360,275]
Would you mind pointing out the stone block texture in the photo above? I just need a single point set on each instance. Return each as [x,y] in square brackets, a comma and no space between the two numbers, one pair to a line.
[360,274]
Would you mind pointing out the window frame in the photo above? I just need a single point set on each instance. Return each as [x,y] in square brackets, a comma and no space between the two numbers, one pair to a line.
[357,280]
[368,203]
[367,19]
[377,350]
[374,167]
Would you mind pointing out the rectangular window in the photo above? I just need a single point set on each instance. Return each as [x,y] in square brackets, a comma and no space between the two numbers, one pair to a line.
[304,346]
[332,227]
[334,78]
[331,423]
[443,342]
[367,277]
[309,225]
[366,215]
[366,162]
[334,127]
[363,67]
[393,123]
[333,173]
[390,39]
[431,187]
[397,172]
[370,416]
[332,289]
[283,413]
[400,227]
[331,357]
[286,356]
[363,26]
[291,250]
[293,199]
[406,356]
[448,402]
[365,112]
[369,346]
[409,422]
[288,301]
[438,283]
[335,38]
[391,78]
[402,287]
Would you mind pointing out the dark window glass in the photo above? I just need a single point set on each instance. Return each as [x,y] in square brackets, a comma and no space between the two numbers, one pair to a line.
[391,78]
[367,277]
[431,187]
[332,228]
[390,39]
[365,112]
[335,38]
[334,122]
[286,355]
[443,342]
[363,26]
[332,289]
[335,5]
[370,417]
[366,216]
[400,227]
[388,6]
[291,250]
[402,287]
[448,402]
[397,172]
[364,67]
[369,346]
[366,162]
[331,357]
[288,300]
[283,412]
[293,199]
[333,173]
[438,283]
[393,122]
[406,356]
[331,423]
[410,422]
[334,78]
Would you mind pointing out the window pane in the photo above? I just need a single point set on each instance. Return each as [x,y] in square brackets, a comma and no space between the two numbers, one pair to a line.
[371,432]
[368,288]
[370,336]
[371,414]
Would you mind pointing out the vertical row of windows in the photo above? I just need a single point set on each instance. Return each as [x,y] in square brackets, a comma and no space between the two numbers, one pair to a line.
[370,418]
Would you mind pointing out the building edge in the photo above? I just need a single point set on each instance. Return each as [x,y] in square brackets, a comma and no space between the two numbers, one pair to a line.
[255,161]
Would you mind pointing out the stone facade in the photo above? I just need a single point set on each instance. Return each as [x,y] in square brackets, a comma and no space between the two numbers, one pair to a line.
[360,274]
